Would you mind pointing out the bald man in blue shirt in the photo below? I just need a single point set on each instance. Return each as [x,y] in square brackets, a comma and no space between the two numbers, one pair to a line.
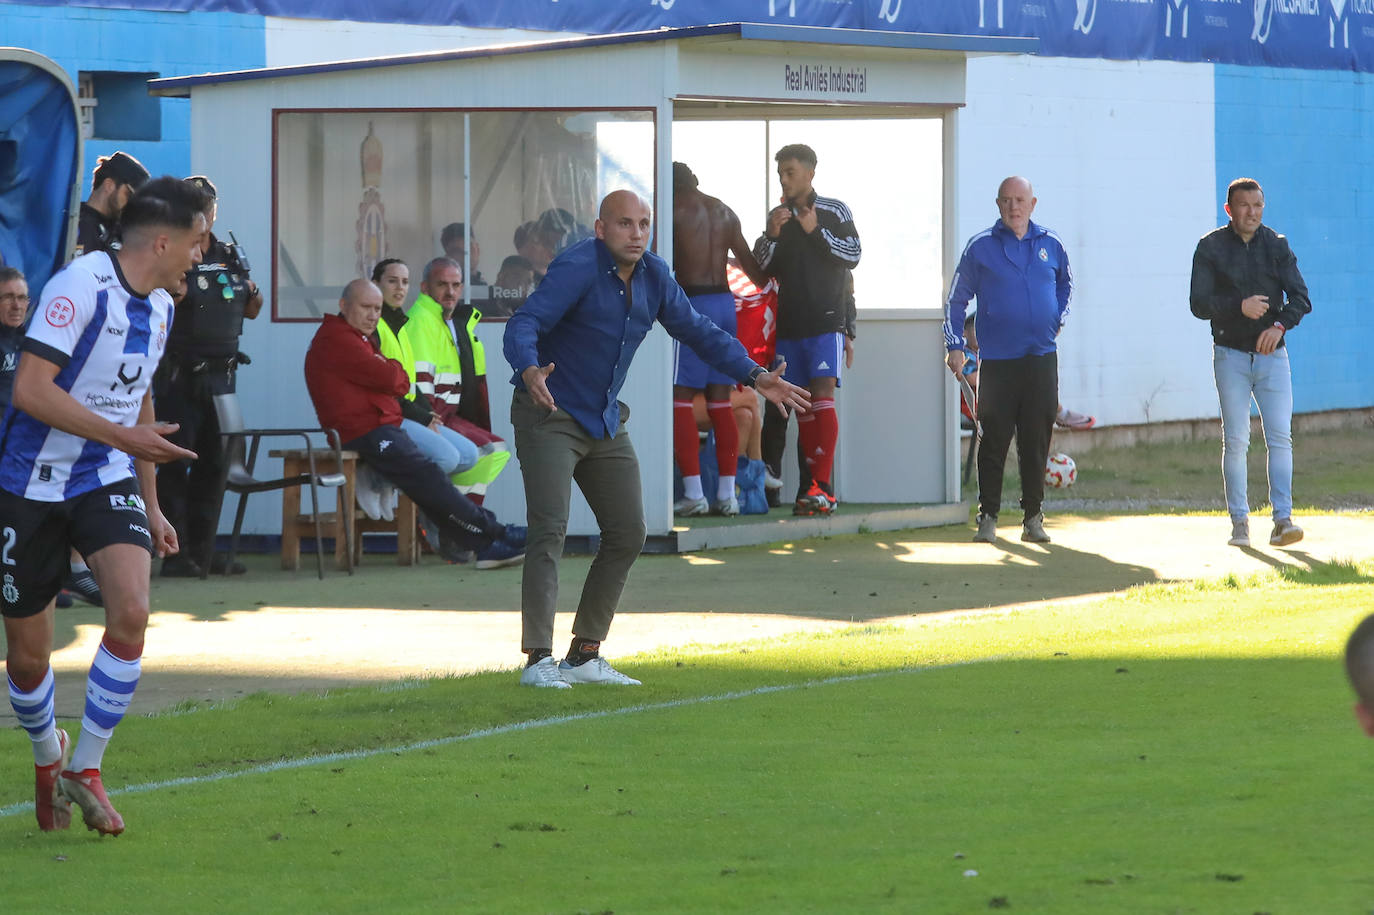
[571,345]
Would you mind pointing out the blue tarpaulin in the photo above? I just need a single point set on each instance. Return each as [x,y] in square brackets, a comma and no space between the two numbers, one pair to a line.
[40,159]
[1314,34]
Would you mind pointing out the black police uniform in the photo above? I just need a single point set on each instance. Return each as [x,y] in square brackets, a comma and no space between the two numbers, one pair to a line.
[201,361]
[95,232]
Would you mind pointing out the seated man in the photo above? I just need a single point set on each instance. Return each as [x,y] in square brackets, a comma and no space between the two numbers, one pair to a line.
[452,452]
[451,369]
[354,389]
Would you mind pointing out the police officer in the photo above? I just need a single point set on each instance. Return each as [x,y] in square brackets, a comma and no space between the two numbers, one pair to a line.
[201,361]
[114,181]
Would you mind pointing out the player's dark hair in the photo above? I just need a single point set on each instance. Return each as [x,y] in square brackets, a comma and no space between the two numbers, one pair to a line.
[799,151]
[10,274]
[1241,184]
[121,168]
[380,270]
[1359,661]
[516,262]
[522,234]
[683,179]
[165,201]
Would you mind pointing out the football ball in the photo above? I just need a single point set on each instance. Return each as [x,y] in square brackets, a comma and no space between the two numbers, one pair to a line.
[1060,471]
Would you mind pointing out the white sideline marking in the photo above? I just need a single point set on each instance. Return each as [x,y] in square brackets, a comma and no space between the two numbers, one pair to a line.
[530,724]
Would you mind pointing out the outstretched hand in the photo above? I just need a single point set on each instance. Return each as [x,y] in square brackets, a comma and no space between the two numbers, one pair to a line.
[149,442]
[782,392]
[534,383]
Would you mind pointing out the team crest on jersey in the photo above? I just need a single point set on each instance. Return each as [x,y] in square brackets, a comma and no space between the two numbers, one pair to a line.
[60,312]
[1044,255]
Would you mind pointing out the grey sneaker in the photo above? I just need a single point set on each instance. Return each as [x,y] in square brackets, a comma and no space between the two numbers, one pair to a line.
[987,529]
[727,507]
[691,508]
[1033,529]
[597,670]
[1285,532]
[1240,532]
[545,673]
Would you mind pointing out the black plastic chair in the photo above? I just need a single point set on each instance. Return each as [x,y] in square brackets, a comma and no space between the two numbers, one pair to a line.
[240,457]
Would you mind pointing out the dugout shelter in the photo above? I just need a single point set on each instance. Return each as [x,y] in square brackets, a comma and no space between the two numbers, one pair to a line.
[323,169]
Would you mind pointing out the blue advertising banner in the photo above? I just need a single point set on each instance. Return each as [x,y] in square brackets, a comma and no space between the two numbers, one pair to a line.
[1314,34]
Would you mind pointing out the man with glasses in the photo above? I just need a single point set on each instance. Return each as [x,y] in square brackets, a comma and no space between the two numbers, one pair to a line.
[14,309]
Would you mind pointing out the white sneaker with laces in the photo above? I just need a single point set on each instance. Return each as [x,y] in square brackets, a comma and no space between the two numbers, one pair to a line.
[727,507]
[546,673]
[597,670]
[691,508]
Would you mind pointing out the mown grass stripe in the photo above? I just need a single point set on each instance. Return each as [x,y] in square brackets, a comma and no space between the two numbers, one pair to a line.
[498,730]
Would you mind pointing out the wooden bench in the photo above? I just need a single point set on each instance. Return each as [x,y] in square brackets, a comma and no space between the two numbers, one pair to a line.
[404,527]
[296,524]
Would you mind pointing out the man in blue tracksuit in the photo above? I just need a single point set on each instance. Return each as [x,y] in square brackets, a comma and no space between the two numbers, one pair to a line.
[1020,275]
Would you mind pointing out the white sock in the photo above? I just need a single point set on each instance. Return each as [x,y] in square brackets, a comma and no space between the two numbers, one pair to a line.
[691,487]
[725,489]
[35,713]
[109,690]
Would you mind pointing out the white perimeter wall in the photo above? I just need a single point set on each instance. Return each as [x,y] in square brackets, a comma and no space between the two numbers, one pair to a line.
[1122,158]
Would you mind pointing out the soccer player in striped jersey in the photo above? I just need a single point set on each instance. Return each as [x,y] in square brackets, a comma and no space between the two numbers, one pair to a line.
[77,450]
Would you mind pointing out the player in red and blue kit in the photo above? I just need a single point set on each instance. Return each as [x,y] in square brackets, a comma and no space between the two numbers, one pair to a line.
[77,449]
[811,246]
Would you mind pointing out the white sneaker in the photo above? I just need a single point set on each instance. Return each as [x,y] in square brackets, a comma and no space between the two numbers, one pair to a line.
[597,670]
[390,496]
[544,672]
[727,507]
[690,508]
[365,489]
[770,481]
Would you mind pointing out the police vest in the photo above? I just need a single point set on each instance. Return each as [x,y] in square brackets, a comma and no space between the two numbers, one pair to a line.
[209,319]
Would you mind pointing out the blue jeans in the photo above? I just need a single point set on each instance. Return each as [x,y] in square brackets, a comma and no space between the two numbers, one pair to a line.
[447,448]
[1241,376]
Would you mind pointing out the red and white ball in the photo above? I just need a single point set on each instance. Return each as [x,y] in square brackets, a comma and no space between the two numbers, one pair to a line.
[1060,471]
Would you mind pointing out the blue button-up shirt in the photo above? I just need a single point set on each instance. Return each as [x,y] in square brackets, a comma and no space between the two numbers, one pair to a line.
[579,320]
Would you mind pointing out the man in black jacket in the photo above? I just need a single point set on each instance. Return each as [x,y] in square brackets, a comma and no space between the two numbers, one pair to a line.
[1246,282]
[811,245]
[114,181]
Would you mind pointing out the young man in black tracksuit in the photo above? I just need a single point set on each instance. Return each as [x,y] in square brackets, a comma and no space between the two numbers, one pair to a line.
[810,246]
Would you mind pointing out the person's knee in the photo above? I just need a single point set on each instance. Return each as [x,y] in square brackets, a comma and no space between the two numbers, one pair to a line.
[126,616]
[625,538]
[26,660]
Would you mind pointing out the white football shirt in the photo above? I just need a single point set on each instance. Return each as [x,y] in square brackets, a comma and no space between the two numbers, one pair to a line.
[106,341]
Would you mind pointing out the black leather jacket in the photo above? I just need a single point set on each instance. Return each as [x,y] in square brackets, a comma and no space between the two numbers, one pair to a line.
[1227,270]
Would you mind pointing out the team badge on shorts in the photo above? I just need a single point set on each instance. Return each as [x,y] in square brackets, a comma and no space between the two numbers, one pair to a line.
[11,591]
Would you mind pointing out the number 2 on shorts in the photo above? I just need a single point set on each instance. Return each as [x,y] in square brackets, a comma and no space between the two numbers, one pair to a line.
[10,537]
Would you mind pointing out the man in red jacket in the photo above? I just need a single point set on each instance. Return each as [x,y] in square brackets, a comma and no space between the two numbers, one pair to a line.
[354,389]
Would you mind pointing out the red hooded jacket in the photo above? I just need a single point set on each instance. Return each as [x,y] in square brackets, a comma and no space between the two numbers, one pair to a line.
[354,387]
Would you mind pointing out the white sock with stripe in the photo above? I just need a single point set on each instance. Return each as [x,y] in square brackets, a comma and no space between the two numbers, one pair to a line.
[35,711]
[109,690]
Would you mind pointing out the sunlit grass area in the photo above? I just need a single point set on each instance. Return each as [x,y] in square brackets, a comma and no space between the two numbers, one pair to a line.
[1180,746]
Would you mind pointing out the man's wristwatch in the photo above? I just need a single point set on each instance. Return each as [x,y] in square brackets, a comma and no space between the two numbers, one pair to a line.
[1279,325]
[755,374]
